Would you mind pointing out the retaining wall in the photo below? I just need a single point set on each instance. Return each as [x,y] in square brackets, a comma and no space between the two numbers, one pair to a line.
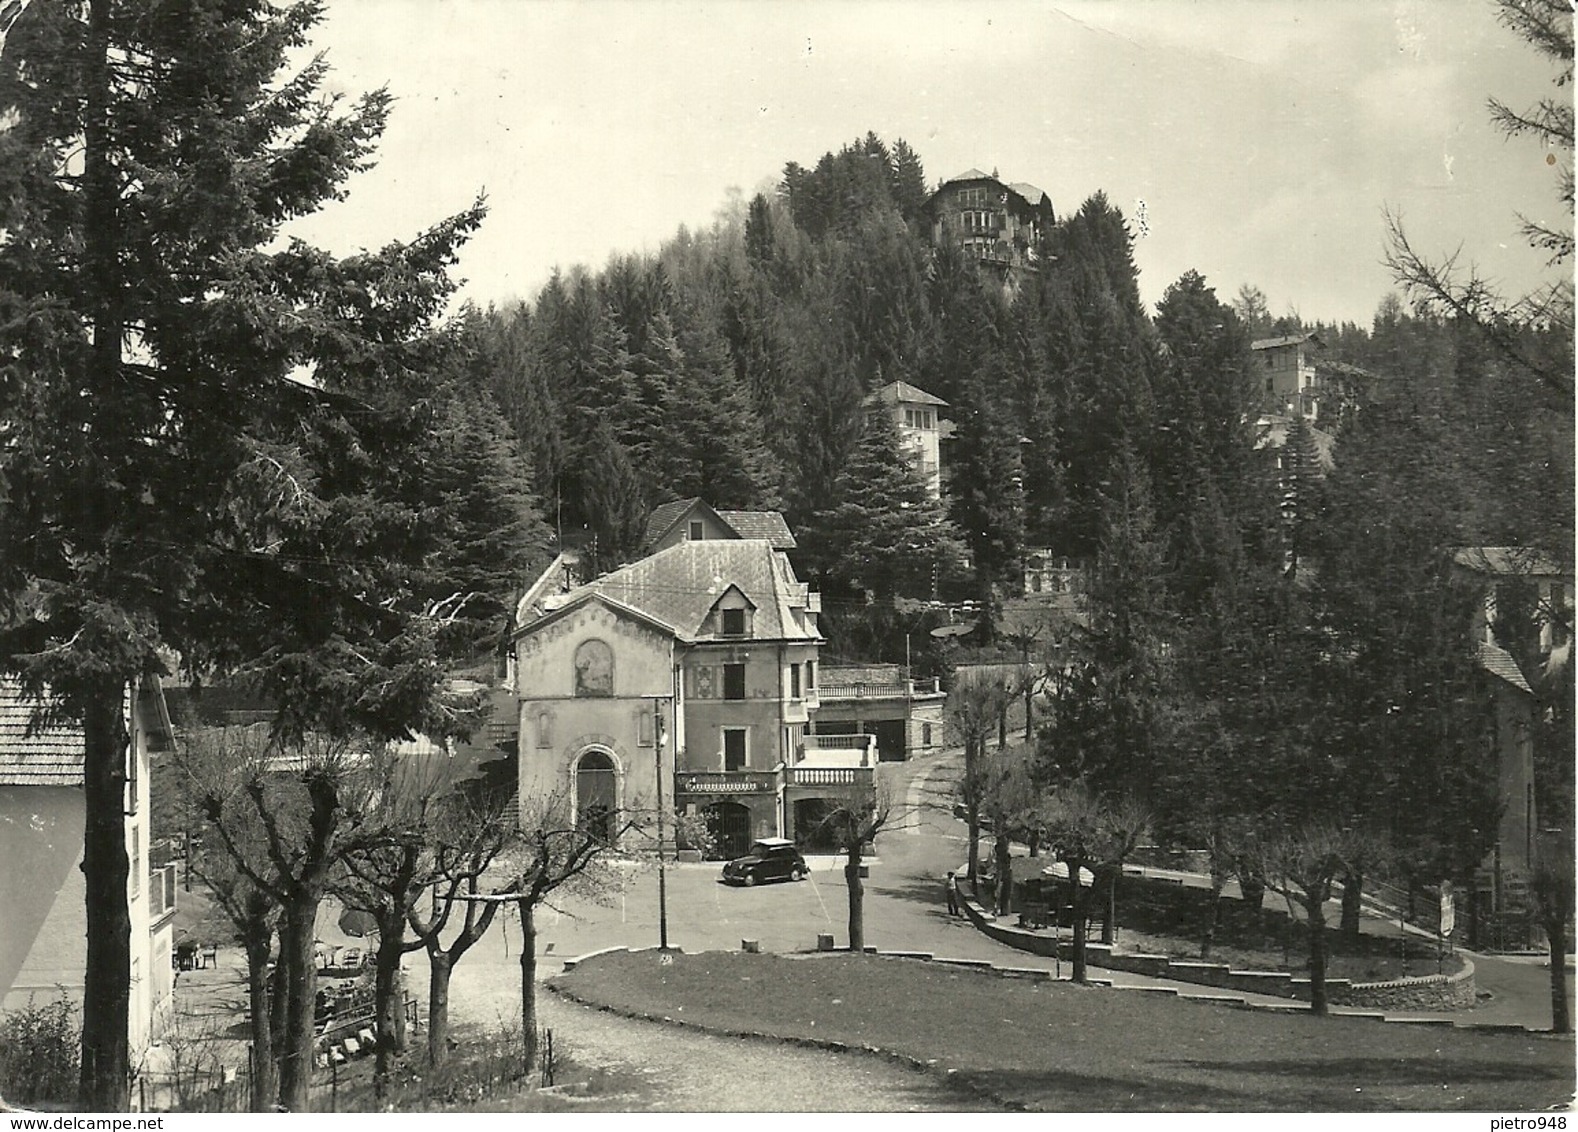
[1425,993]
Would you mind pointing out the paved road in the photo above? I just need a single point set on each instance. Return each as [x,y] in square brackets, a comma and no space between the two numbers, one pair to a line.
[688,1071]
[904,911]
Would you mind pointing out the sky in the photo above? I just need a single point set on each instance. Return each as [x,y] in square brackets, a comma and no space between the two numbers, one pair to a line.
[1257,143]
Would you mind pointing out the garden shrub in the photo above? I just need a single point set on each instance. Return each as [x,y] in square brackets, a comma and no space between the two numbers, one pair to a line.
[40,1053]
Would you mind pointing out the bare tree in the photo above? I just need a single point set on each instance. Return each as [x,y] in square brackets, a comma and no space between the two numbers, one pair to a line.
[974,701]
[284,816]
[385,873]
[551,854]
[854,821]
[203,757]
[1089,833]
[1010,800]
[1302,864]
[475,827]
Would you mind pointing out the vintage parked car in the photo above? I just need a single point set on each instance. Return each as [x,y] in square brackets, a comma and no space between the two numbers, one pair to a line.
[771,858]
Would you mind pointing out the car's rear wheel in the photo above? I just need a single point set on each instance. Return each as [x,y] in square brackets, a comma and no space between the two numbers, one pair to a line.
[749,880]
[798,874]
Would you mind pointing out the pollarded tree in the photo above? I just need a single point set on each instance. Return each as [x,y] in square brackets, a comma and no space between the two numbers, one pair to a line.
[474,827]
[975,700]
[552,854]
[1090,833]
[150,156]
[201,755]
[852,825]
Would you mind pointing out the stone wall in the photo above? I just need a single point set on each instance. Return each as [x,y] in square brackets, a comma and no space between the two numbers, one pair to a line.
[1425,993]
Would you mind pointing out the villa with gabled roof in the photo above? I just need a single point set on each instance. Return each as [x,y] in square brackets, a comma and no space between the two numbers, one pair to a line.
[694,667]
[692,520]
[1000,224]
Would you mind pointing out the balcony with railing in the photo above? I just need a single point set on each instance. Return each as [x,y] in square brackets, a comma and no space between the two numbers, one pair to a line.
[163,883]
[887,690]
[833,760]
[725,781]
[802,774]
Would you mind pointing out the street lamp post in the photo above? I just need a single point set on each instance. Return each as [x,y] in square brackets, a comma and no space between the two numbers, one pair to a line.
[662,868]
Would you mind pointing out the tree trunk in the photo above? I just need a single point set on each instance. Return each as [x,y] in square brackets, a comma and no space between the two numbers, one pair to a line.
[1218,882]
[1555,935]
[1315,912]
[1352,897]
[105,1081]
[528,984]
[857,899]
[106,993]
[437,1007]
[1252,890]
[1078,903]
[1109,913]
[1005,873]
[1002,726]
[264,1068]
[278,998]
[386,1004]
[972,806]
[301,980]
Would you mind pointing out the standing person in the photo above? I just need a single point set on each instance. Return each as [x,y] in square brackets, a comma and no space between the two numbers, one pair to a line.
[953,895]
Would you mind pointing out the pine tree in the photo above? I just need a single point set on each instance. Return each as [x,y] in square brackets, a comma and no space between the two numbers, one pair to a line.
[885,535]
[167,485]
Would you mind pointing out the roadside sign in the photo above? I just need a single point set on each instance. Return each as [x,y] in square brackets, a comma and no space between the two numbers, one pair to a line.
[1448,909]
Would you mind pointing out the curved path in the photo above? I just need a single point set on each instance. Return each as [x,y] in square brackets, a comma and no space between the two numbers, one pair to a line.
[647,1066]
[673,1069]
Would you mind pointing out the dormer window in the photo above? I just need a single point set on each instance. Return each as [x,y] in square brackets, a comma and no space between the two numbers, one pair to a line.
[733,622]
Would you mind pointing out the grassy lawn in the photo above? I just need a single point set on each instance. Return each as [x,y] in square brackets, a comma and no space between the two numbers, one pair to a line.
[1156,918]
[1055,1046]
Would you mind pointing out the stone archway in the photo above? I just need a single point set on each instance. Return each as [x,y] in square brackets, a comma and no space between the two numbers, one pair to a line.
[597,793]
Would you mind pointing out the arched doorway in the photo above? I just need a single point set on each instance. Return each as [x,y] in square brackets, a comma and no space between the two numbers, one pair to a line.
[596,794]
[729,823]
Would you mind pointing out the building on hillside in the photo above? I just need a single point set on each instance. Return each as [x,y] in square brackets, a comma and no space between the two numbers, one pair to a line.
[692,520]
[1286,368]
[695,667]
[43,914]
[916,416]
[1549,582]
[1000,224]
[904,714]
[1499,914]
[1052,577]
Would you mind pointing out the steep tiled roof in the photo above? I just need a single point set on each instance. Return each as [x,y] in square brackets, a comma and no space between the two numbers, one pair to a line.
[768,525]
[1027,190]
[678,587]
[1285,340]
[664,516]
[29,756]
[1498,662]
[902,392]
